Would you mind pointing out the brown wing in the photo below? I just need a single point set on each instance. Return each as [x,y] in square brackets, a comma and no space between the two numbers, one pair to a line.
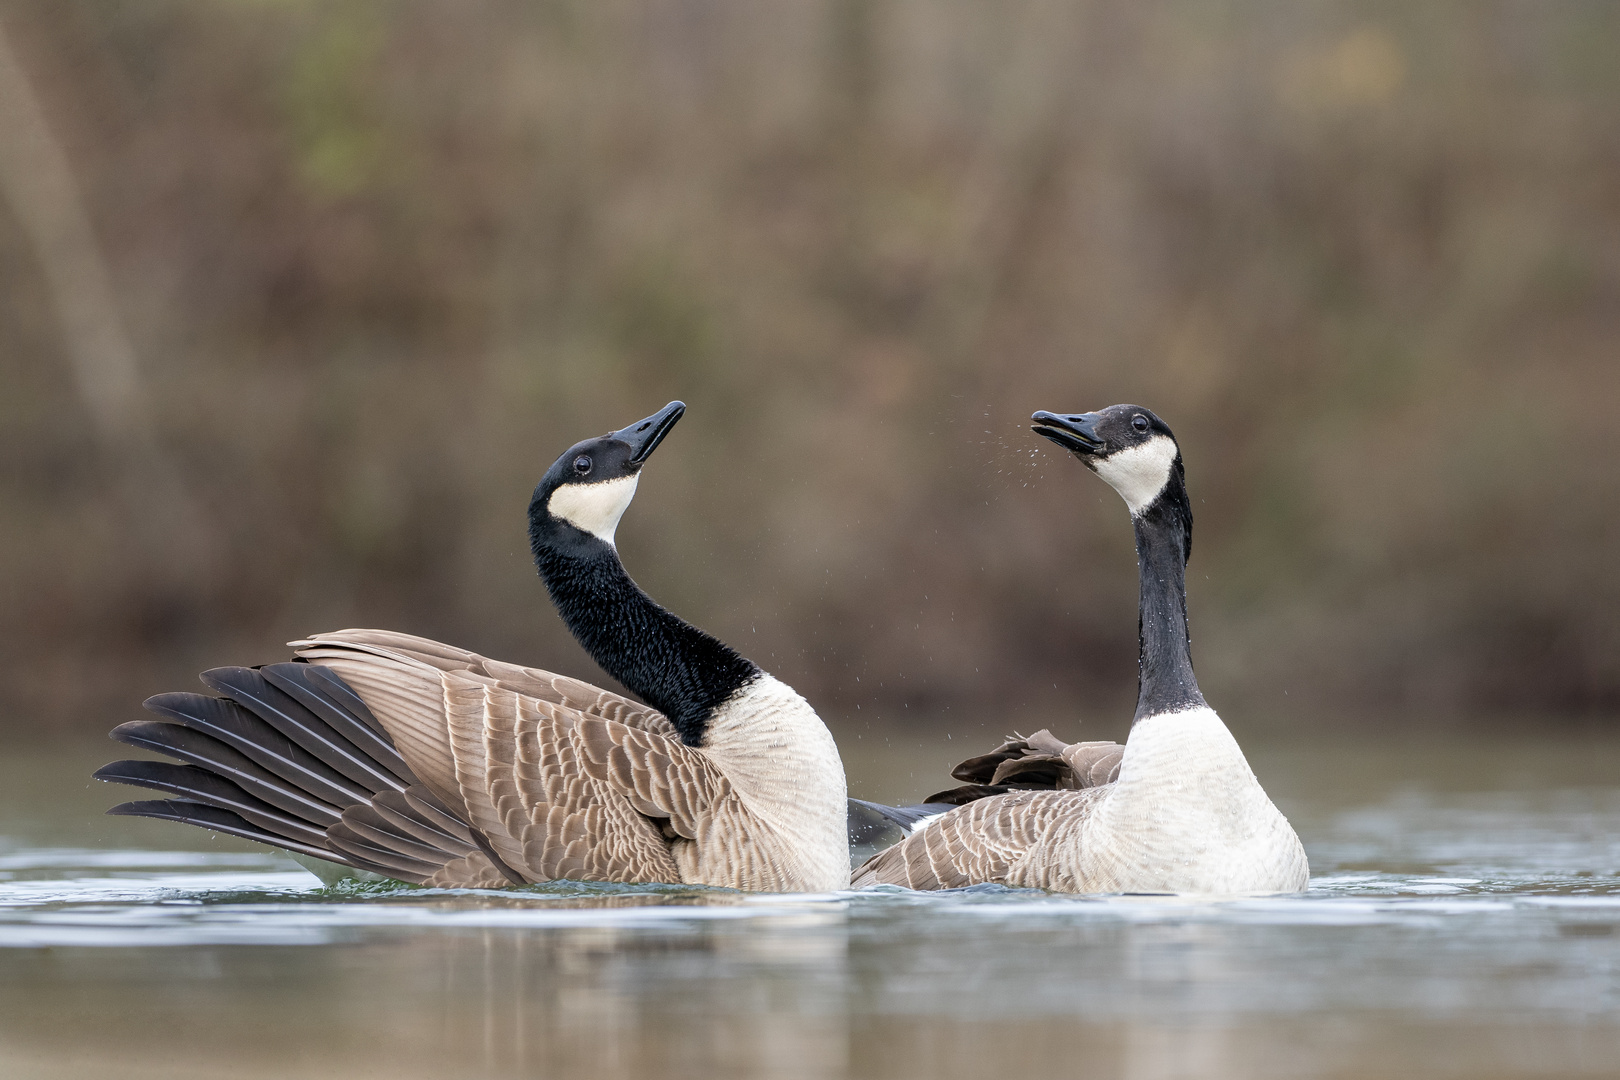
[1094,763]
[978,843]
[288,756]
[662,778]
[405,757]
[497,742]
[1038,762]
[581,697]
[523,780]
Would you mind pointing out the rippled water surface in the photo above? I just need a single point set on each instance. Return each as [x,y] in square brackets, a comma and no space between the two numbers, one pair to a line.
[1463,920]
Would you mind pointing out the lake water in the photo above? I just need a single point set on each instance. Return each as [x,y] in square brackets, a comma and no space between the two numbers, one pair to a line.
[1463,920]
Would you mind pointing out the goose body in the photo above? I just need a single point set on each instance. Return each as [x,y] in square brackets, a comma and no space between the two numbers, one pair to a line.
[1176,809]
[402,756]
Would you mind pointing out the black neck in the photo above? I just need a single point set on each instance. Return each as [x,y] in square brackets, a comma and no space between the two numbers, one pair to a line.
[671,664]
[1166,682]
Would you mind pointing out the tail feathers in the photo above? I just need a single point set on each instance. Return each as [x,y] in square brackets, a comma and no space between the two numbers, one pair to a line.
[212,817]
[907,817]
[293,758]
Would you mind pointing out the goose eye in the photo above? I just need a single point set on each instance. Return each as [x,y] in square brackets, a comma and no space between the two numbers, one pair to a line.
[1139,422]
[582,464]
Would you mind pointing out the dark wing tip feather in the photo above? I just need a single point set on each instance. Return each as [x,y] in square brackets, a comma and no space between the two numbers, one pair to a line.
[322,697]
[310,728]
[198,748]
[208,788]
[967,793]
[212,817]
[1035,771]
[267,745]
[1025,761]
[292,757]
[339,691]
[979,770]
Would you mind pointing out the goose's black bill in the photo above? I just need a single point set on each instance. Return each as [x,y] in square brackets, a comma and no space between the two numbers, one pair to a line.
[644,436]
[1076,432]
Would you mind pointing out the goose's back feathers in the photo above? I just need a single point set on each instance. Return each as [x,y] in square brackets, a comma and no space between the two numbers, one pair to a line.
[1094,764]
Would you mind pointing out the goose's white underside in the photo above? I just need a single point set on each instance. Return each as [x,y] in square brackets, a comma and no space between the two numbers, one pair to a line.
[1138,472]
[595,508]
[1185,816]
[784,767]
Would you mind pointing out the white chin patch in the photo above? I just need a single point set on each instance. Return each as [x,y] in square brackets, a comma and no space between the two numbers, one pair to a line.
[595,508]
[1139,472]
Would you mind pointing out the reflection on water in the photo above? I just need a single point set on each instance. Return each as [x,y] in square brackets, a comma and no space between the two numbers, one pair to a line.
[1464,920]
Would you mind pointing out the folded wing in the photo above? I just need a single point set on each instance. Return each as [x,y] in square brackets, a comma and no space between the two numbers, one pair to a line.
[1038,762]
[984,841]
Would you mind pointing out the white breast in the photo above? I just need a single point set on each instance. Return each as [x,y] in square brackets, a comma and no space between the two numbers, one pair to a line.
[1188,816]
[784,765]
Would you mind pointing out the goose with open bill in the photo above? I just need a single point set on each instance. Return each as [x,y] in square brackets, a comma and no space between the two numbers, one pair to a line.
[1176,809]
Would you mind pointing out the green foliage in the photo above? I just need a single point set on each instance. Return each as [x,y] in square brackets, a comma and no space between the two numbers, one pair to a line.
[332,117]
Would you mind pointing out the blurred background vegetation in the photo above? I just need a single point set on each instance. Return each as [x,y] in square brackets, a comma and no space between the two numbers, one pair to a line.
[298,299]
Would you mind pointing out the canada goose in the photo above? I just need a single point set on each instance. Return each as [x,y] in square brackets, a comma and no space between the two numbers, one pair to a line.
[1180,811]
[419,761]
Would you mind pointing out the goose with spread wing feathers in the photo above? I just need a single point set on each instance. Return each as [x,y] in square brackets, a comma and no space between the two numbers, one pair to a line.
[1177,808]
[427,763]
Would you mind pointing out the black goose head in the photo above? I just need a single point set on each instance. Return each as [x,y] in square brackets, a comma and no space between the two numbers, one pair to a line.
[1134,451]
[1126,445]
[578,503]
